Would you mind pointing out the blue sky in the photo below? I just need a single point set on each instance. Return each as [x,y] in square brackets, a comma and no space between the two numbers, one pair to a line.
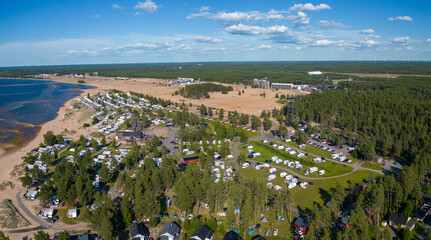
[130,31]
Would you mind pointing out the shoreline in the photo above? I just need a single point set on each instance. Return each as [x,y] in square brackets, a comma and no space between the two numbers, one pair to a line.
[7,148]
[13,157]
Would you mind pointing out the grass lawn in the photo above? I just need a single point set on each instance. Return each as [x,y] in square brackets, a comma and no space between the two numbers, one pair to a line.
[372,166]
[62,214]
[311,149]
[305,198]
[318,193]
[331,168]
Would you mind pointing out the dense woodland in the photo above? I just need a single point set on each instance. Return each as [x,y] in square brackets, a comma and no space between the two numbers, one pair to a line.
[197,91]
[394,115]
[231,72]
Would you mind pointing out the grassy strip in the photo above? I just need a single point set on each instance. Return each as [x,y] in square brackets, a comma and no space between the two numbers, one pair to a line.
[372,166]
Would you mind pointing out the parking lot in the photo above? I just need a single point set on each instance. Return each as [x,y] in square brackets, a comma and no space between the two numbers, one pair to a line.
[341,150]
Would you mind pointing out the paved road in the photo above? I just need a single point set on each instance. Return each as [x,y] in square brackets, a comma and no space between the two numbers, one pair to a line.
[171,146]
[42,223]
[28,212]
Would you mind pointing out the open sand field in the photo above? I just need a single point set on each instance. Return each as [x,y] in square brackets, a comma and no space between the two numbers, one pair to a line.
[250,102]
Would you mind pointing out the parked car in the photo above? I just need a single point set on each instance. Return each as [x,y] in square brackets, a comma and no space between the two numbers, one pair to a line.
[190,217]
[275,232]
[174,214]
[50,220]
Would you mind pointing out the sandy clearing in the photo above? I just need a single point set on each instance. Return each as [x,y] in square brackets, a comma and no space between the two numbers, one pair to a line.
[249,102]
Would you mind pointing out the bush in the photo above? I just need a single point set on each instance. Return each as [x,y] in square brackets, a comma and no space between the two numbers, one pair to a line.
[153,222]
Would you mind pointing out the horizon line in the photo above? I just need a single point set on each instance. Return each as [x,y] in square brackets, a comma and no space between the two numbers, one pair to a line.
[195,62]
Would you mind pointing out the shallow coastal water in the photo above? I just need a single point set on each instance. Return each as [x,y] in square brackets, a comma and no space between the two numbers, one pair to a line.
[31,102]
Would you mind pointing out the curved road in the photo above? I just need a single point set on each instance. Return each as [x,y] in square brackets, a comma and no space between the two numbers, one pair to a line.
[42,223]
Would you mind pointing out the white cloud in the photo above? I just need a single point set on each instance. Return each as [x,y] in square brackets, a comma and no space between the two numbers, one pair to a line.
[214,49]
[95,16]
[264,46]
[148,6]
[115,5]
[309,7]
[322,43]
[204,9]
[237,16]
[204,39]
[401,18]
[369,43]
[331,24]
[255,30]
[300,19]
[367,31]
[401,39]
[429,40]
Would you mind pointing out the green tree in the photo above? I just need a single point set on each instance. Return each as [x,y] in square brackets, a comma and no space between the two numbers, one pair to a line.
[255,122]
[267,123]
[49,138]
[203,110]
[41,235]
[154,222]
[26,180]
[231,218]
[3,237]
[220,114]
[241,158]
[407,235]
[63,235]
[104,141]
[114,143]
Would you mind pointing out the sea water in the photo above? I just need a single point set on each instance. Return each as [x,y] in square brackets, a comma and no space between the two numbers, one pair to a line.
[31,102]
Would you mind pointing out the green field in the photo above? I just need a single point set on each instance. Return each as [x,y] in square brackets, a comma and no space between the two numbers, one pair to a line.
[331,168]
[372,166]
[305,198]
